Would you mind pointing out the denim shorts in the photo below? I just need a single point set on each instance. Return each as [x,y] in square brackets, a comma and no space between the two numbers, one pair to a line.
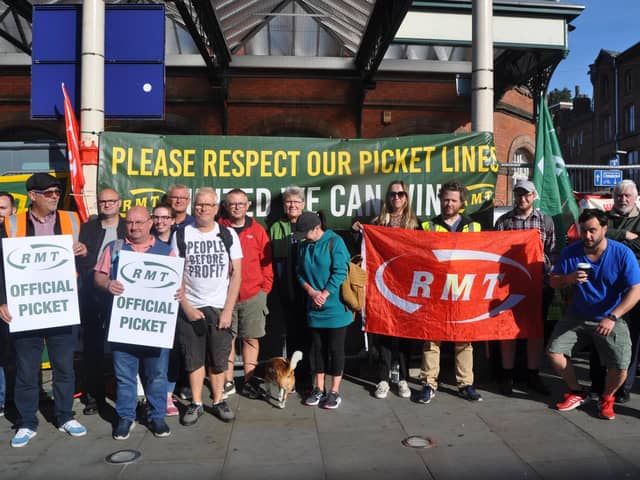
[573,334]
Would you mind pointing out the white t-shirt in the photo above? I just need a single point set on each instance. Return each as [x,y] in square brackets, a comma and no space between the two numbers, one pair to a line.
[206,265]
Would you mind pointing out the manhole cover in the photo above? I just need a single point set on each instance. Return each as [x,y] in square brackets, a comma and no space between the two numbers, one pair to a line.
[123,456]
[418,441]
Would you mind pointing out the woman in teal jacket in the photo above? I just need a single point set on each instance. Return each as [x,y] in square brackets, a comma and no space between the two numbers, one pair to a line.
[322,268]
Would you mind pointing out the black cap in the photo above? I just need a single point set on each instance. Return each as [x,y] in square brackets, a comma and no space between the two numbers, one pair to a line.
[42,181]
[306,221]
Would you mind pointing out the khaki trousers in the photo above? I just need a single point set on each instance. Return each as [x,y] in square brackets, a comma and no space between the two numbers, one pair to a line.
[431,363]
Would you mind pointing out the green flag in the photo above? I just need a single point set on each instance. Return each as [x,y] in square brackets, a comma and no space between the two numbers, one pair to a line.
[555,193]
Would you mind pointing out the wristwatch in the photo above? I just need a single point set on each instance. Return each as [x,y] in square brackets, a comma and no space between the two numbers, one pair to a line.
[611,316]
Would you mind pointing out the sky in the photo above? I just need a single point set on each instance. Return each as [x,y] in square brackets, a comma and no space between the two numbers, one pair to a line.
[603,24]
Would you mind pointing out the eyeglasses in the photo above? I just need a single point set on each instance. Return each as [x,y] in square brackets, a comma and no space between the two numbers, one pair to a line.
[164,218]
[204,205]
[179,199]
[48,193]
[108,202]
[236,205]
[292,202]
[397,194]
[136,223]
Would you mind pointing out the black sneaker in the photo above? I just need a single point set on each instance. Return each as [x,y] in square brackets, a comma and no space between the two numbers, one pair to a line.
[249,390]
[194,412]
[315,397]
[622,396]
[229,389]
[1,411]
[506,383]
[222,411]
[185,393]
[332,401]
[426,394]
[123,429]
[469,393]
[160,428]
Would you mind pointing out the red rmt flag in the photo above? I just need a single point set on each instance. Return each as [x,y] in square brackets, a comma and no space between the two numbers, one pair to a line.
[459,287]
[73,147]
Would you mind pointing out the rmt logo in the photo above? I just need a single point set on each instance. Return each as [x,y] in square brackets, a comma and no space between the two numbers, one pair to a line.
[457,276]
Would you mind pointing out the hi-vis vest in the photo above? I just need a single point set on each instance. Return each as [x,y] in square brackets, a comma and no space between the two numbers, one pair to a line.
[430,226]
[16,225]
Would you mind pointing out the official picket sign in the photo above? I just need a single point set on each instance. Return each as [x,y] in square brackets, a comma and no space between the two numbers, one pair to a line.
[40,278]
[146,313]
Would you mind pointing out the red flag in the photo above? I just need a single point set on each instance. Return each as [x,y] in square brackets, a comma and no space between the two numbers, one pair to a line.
[453,286]
[73,147]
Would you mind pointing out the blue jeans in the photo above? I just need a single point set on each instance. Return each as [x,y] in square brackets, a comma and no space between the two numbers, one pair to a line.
[28,348]
[127,361]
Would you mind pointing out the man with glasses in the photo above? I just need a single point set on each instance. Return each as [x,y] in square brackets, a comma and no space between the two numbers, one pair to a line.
[249,314]
[525,217]
[212,274]
[179,197]
[43,218]
[128,358]
[95,306]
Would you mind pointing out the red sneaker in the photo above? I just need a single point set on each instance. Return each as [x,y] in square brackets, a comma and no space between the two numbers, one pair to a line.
[571,401]
[606,407]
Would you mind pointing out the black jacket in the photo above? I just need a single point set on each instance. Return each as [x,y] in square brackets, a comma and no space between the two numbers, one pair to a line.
[92,235]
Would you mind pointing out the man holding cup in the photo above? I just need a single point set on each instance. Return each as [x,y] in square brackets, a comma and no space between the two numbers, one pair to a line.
[623,225]
[594,315]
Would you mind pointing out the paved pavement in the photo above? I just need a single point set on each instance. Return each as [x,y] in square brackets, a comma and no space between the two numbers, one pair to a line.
[521,437]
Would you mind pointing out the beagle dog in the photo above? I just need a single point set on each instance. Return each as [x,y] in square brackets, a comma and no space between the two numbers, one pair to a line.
[280,379]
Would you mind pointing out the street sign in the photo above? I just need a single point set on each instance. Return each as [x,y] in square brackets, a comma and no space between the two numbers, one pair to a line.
[614,162]
[606,178]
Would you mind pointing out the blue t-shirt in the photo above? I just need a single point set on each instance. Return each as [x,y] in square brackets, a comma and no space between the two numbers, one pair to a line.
[612,275]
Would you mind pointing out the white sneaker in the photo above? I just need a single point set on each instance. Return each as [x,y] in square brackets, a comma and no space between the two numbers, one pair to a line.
[382,389]
[403,389]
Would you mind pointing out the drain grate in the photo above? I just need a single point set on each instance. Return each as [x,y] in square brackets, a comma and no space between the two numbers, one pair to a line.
[122,457]
[418,441]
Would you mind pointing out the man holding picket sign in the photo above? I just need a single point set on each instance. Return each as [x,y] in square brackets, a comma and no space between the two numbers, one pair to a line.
[42,219]
[128,357]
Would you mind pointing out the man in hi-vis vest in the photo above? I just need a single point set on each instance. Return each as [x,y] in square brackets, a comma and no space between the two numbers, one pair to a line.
[453,196]
[43,218]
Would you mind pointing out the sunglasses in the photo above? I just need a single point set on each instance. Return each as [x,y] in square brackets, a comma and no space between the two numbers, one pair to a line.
[397,194]
[48,193]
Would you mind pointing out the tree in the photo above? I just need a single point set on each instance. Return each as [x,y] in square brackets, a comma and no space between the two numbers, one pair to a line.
[557,96]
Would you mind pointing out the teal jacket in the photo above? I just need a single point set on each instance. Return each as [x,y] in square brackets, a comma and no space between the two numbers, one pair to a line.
[324,266]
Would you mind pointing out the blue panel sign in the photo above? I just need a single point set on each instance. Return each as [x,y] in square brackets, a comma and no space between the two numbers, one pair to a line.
[134,60]
[606,178]
[133,88]
[135,33]
[55,59]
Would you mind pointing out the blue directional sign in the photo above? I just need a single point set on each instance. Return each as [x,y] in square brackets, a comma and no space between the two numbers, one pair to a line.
[606,178]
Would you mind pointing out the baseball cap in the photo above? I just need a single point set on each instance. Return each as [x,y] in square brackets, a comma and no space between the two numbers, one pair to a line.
[42,181]
[526,185]
[306,221]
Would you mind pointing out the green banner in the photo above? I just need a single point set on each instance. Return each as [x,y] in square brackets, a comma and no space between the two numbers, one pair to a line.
[345,178]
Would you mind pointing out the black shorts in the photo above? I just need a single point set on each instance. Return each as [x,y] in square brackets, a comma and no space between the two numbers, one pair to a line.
[211,349]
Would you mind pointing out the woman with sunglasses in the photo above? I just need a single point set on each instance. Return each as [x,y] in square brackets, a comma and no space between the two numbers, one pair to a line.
[395,212]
